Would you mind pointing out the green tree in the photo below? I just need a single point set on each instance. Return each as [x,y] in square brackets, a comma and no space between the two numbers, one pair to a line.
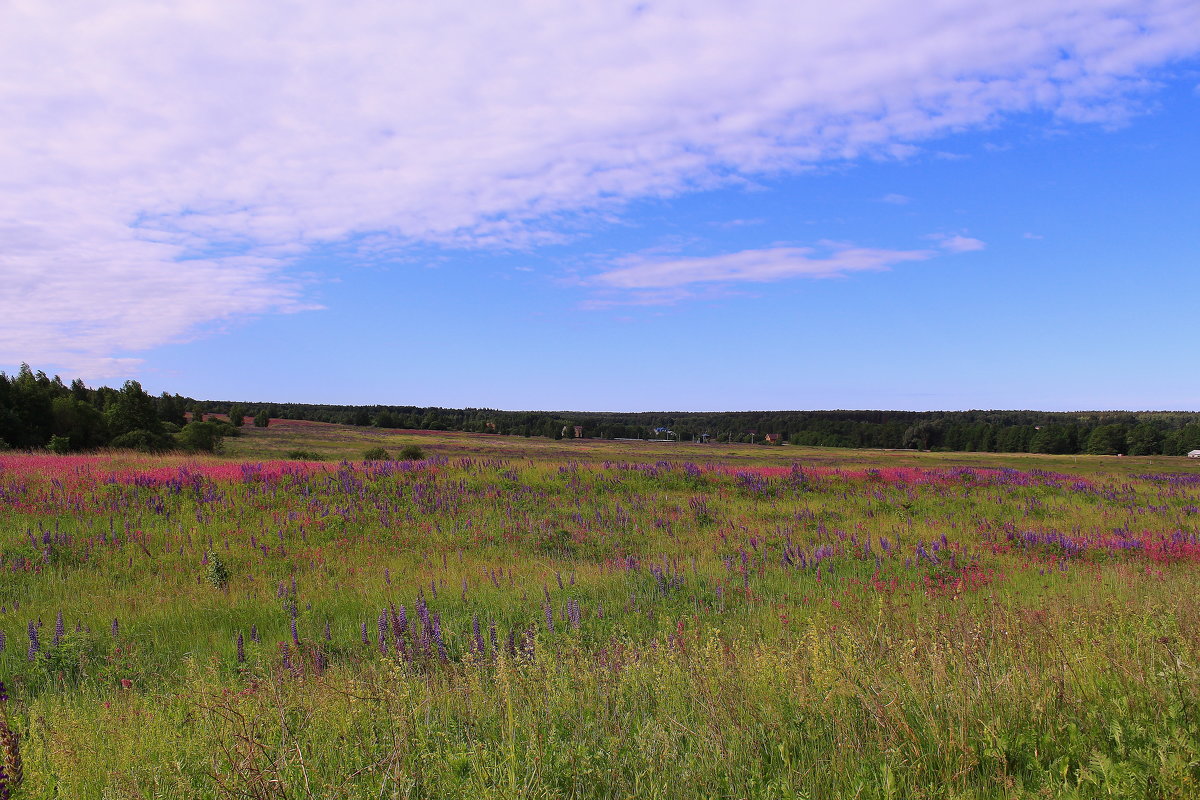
[237,416]
[262,419]
[170,409]
[132,410]
[1144,439]
[1107,440]
[1055,439]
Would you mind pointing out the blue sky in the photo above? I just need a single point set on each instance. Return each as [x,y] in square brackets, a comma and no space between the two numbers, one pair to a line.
[652,206]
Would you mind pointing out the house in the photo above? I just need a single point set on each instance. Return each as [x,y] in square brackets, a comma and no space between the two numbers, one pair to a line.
[1194,454]
[773,438]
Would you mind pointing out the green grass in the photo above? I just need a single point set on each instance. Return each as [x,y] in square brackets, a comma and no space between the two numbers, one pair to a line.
[742,630]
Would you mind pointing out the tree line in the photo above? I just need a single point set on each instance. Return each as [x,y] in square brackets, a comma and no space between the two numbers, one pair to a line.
[37,411]
[1095,432]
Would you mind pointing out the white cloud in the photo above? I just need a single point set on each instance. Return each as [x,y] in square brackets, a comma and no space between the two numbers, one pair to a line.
[956,243]
[136,135]
[896,199]
[833,260]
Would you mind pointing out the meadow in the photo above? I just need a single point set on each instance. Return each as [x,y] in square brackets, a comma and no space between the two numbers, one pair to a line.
[525,618]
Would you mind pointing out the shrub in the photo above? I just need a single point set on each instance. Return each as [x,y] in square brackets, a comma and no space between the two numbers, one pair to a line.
[304,455]
[59,444]
[376,454]
[143,440]
[411,452]
[200,437]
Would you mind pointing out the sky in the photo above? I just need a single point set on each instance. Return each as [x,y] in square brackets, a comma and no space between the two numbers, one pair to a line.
[683,205]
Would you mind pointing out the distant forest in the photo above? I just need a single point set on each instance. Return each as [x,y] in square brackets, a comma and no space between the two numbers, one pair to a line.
[37,411]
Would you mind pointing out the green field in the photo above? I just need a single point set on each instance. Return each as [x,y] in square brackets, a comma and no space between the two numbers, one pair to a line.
[512,617]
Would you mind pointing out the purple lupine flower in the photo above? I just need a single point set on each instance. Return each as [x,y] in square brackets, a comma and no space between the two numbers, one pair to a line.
[3,693]
[383,631]
[365,639]
[423,611]
[320,661]
[116,628]
[241,649]
[494,637]
[3,641]
[387,576]
[34,644]
[549,618]
[437,636]
[328,634]
[295,633]
[573,613]
[59,629]
[478,644]
[285,656]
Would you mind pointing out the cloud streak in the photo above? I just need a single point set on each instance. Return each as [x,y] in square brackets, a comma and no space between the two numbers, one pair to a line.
[143,146]
[834,260]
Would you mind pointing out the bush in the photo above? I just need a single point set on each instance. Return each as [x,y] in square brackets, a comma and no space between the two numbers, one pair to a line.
[411,452]
[304,455]
[200,437]
[143,440]
[59,444]
[377,454]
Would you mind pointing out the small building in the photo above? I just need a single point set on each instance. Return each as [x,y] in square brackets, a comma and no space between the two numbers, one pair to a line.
[773,438]
[1194,454]
[578,431]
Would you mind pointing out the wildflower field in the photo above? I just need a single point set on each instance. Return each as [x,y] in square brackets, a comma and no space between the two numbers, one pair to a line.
[514,618]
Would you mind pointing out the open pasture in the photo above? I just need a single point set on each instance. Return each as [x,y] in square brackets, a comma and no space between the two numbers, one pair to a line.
[526,618]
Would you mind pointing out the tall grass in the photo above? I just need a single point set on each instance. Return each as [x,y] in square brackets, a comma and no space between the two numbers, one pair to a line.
[578,620]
